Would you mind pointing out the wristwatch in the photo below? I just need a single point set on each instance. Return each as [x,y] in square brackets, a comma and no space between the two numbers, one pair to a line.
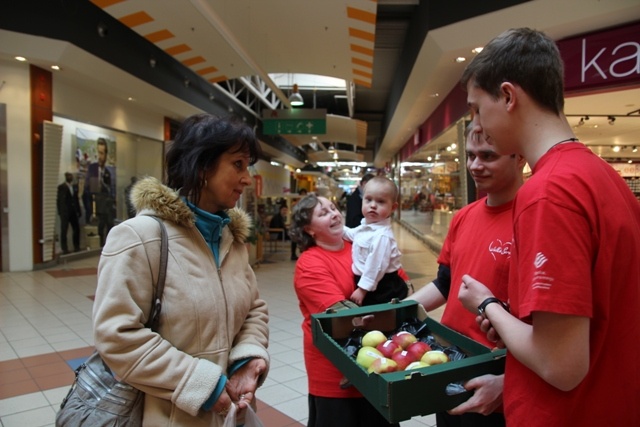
[482,307]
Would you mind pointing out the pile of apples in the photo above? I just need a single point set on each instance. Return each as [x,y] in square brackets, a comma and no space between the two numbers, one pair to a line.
[399,352]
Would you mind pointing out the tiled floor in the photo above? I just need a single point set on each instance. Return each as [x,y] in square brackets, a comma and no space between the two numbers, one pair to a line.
[45,332]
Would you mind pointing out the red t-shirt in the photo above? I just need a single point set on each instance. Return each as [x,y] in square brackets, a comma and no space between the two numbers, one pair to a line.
[478,243]
[321,279]
[577,252]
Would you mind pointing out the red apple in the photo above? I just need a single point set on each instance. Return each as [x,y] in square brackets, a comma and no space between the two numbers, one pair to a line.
[388,347]
[434,357]
[366,356]
[418,349]
[373,338]
[382,365]
[404,339]
[403,359]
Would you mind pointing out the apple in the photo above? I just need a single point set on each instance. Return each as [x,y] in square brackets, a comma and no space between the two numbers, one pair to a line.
[418,349]
[416,365]
[435,357]
[388,347]
[403,359]
[404,339]
[382,365]
[373,338]
[366,356]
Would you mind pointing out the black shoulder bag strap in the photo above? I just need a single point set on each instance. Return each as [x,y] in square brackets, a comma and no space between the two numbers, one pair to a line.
[156,304]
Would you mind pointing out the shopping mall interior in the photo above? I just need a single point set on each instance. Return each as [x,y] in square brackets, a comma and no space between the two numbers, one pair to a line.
[379,87]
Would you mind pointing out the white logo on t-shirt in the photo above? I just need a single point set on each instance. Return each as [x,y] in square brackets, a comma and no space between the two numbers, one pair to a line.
[501,248]
[540,260]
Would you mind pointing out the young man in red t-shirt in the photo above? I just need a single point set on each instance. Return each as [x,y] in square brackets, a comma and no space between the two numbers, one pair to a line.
[574,285]
[479,241]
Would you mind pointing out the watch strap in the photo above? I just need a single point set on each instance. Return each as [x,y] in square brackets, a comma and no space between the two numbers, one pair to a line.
[482,307]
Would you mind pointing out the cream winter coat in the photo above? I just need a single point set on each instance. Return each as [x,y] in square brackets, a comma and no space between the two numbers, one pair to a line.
[210,317]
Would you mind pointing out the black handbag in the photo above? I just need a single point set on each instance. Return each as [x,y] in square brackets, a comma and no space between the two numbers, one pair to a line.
[96,398]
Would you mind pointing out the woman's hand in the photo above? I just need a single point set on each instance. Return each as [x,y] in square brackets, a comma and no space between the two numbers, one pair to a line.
[222,405]
[241,386]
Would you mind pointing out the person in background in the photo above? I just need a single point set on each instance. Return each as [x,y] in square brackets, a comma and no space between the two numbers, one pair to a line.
[322,278]
[279,220]
[68,205]
[211,345]
[573,315]
[479,242]
[354,203]
[100,185]
[131,211]
[376,257]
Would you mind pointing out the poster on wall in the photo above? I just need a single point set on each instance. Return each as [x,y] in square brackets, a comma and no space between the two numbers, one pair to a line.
[96,162]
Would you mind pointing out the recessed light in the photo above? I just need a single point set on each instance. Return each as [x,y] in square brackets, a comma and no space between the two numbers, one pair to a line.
[477,50]
[460,59]
[55,67]
[21,58]
[131,98]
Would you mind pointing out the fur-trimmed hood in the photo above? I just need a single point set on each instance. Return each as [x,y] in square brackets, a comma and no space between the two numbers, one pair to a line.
[149,194]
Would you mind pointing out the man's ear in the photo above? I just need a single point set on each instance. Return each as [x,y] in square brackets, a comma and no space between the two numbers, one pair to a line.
[508,92]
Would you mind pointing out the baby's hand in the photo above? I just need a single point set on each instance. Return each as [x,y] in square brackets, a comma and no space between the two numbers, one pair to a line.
[358,296]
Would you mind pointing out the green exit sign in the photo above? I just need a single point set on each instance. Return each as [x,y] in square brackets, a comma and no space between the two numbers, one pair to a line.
[294,126]
[297,121]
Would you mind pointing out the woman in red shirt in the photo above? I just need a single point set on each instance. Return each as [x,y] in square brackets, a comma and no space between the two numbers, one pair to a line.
[322,278]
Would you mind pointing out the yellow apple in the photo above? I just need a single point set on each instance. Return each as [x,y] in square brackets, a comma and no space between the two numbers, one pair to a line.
[373,338]
[434,357]
[416,365]
[366,355]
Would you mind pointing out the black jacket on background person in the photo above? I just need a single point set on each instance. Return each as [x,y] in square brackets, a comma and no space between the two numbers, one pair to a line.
[354,209]
[68,205]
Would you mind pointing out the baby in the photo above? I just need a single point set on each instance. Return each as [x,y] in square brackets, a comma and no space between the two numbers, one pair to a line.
[376,258]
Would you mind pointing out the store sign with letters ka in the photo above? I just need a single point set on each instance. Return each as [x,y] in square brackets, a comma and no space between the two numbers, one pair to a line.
[605,59]
[298,121]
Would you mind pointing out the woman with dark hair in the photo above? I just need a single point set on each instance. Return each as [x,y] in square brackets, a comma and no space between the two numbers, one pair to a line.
[210,348]
[322,278]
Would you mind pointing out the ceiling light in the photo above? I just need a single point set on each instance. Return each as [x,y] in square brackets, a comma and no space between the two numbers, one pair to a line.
[295,98]
[629,161]
[581,122]
[460,59]
[55,67]
[616,149]
[611,120]
[331,149]
[21,58]
[634,149]
[477,50]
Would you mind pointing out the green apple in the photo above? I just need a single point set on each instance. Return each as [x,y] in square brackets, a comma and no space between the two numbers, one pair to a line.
[366,355]
[382,365]
[435,357]
[373,338]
